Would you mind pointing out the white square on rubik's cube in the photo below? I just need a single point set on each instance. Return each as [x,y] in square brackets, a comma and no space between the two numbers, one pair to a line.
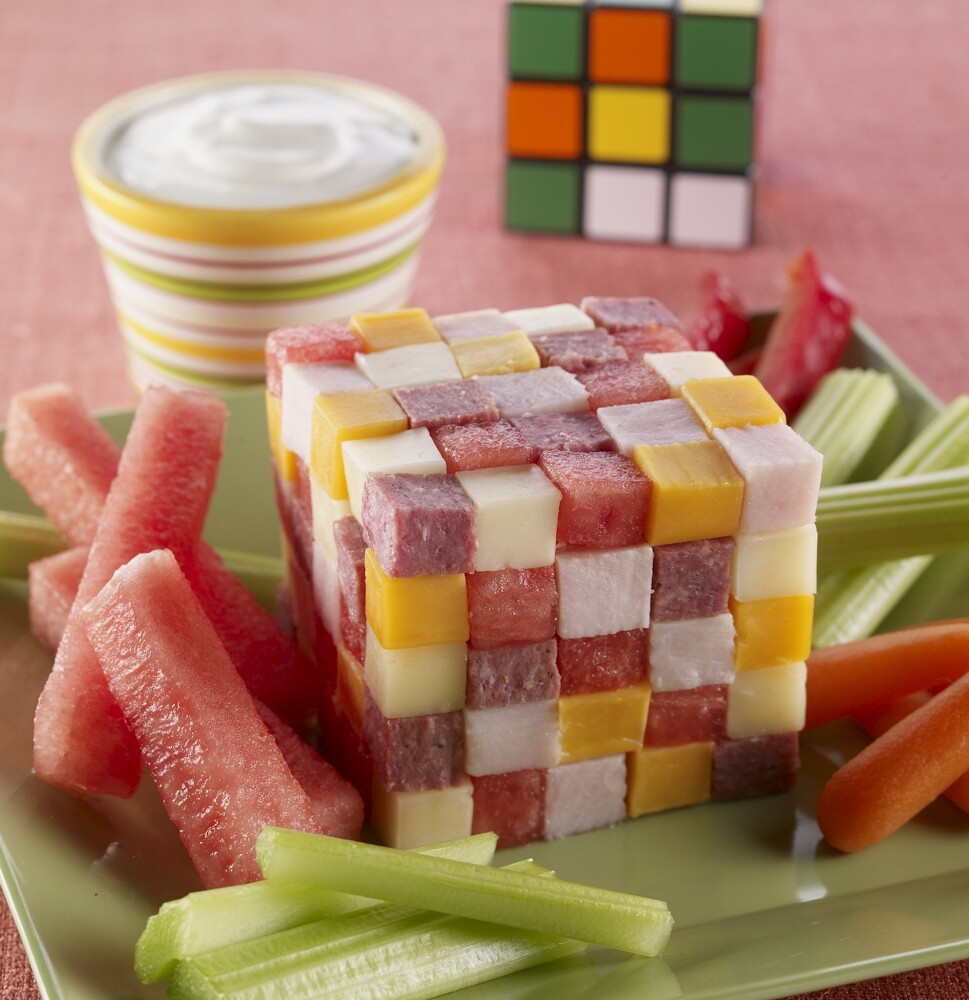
[710,211]
[624,203]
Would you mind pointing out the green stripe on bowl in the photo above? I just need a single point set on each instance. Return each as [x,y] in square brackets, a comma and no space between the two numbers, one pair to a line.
[272,293]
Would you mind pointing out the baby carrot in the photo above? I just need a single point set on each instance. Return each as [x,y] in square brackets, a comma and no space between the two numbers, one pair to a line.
[844,678]
[899,773]
[875,722]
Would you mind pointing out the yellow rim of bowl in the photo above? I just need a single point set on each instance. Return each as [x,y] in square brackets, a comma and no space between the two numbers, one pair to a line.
[260,227]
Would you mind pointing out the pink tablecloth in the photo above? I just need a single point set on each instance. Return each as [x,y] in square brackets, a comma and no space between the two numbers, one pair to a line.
[863,156]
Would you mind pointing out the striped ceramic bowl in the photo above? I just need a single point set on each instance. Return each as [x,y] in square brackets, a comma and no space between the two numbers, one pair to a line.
[231,204]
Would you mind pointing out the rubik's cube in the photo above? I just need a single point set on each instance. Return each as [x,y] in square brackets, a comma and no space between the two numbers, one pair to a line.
[556,567]
[633,120]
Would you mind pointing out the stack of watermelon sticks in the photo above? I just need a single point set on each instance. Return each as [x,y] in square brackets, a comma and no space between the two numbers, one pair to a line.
[556,567]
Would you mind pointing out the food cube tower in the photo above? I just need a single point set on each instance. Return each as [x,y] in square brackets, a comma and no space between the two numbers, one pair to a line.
[556,567]
[633,120]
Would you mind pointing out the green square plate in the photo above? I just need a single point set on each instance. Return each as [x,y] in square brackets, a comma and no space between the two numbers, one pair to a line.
[763,908]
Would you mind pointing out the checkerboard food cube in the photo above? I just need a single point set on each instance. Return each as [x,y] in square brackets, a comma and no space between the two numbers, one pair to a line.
[538,604]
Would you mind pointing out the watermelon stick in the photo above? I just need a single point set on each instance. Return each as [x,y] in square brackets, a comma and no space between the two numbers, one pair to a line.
[382,952]
[597,916]
[213,918]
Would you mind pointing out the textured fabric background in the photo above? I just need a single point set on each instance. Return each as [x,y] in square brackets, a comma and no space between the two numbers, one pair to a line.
[863,149]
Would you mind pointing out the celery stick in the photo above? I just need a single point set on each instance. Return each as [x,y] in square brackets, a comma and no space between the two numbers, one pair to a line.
[212,918]
[852,603]
[387,951]
[852,417]
[598,916]
[922,514]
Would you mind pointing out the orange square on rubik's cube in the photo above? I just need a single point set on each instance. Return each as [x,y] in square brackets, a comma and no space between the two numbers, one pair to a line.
[545,120]
[629,46]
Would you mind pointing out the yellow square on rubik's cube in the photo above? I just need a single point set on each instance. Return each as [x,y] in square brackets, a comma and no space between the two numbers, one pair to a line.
[633,121]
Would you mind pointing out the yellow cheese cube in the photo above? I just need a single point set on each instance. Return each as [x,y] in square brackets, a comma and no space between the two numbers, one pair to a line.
[395,328]
[662,778]
[498,355]
[418,680]
[283,458]
[348,416]
[772,631]
[408,611]
[771,700]
[697,493]
[602,722]
[349,692]
[418,818]
[732,402]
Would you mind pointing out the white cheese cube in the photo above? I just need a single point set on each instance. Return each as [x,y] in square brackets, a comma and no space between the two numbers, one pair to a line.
[781,473]
[602,591]
[691,653]
[767,701]
[302,383]
[563,317]
[326,511]
[419,680]
[586,795]
[326,588]
[516,516]
[413,364]
[775,564]
[471,325]
[511,737]
[678,367]
[407,451]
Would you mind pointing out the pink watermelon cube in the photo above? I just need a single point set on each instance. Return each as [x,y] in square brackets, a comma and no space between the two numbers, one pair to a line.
[512,605]
[308,343]
[158,499]
[482,446]
[511,804]
[218,768]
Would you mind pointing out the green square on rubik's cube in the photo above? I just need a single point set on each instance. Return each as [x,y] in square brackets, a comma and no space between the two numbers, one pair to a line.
[542,196]
[714,133]
[546,41]
[716,52]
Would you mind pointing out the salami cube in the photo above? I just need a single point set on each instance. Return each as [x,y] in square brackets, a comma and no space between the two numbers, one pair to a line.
[418,525]
[415,752]
[350,551]
[617,312]
[460,402]
[757,765]
[578,351]
[605,497]
[510,675]
[692,579]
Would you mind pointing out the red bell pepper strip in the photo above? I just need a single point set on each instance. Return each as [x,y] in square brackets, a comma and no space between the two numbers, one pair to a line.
[808,336]
[721,325]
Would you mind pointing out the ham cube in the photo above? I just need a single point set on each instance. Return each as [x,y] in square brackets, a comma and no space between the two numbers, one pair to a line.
[585,795]
[542,390]
[472,325]
[578,351]
[603,590]
[564,432]
[559,318]
[691,652]
[509,737]
[757,765]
